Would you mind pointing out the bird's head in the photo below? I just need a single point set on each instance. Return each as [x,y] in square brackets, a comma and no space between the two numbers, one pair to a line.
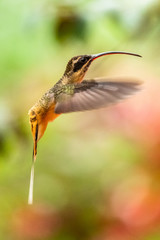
[78,66]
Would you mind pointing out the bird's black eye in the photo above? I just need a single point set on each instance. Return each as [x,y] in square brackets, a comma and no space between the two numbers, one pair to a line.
[83,60]
[79,64]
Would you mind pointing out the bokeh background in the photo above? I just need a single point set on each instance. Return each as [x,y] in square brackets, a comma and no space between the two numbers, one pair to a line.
[97,175]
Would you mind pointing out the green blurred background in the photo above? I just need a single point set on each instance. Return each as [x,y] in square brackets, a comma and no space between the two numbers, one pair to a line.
[97,175]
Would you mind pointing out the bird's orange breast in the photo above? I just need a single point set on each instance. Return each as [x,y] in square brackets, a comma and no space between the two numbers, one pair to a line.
[47,117]
[41,116]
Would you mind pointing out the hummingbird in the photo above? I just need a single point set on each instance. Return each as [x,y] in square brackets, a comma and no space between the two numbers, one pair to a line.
[72,94]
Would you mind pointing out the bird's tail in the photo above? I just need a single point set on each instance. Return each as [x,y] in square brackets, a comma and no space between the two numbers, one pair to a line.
[34,128]
[35,140]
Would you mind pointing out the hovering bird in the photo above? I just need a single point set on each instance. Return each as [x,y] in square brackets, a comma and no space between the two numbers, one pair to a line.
[72,93]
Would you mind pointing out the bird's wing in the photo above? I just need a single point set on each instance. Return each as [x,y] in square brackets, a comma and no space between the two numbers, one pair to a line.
[94,94]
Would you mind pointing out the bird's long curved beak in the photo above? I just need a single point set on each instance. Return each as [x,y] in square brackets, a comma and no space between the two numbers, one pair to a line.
[95,56]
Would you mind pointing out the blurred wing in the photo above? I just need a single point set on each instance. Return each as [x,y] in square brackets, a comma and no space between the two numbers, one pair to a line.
[94,94]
